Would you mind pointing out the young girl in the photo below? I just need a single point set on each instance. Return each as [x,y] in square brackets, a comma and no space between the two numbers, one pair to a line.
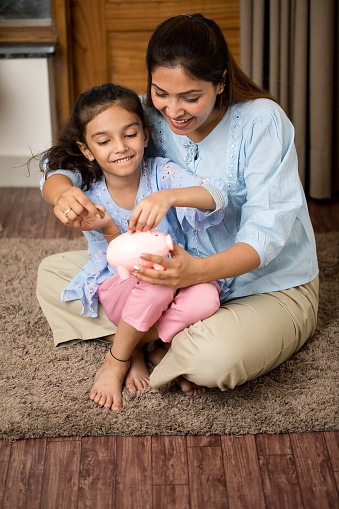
[104,142]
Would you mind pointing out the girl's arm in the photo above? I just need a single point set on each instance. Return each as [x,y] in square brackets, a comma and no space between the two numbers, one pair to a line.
[58,190]
[183,269]
[149,211]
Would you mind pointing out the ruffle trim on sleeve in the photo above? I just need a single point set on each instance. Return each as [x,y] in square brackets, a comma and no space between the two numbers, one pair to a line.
[194,219]
[86,293]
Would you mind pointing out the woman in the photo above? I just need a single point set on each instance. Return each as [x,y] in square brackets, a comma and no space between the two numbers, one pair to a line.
[206,115]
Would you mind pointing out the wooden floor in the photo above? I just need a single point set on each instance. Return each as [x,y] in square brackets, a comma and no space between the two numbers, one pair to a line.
[289,471]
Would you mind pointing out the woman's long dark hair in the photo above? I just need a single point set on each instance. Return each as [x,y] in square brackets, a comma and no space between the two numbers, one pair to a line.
[65,153]
[197,44]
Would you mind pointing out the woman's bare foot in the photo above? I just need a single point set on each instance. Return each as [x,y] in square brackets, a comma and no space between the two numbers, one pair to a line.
[137,377]
[189,388]
[107,387]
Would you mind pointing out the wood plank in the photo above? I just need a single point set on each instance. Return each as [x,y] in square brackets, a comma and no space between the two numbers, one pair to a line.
[28,34]
[5,452]
[317,483]
[332,443]
[202,441]
[12,211]
[3,476]
[123,16]
[171,497]
[97,472]
[39,223]
[25,474]
[206,478]
[273,444]
[324,215]
[61,474]
[133,476]
[169,460]
[280,481]
[30,224]
[62,78]
[242,472]
[127,59]
[89,44]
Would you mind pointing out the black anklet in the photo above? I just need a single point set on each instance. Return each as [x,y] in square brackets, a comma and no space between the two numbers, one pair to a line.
[127,360]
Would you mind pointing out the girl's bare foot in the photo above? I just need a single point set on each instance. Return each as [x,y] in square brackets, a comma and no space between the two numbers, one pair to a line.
[137,377]
[189,388]
[107,387]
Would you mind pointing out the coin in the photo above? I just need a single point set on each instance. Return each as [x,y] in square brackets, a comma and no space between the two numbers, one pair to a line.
[101,213]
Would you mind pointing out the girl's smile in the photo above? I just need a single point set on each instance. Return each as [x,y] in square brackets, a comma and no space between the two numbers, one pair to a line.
[187,104]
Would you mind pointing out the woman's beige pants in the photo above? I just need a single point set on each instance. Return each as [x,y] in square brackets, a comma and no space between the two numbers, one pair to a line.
[244,339]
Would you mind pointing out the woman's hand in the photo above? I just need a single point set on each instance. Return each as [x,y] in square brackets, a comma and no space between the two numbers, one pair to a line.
[74,209]
[149,211]
[180,271]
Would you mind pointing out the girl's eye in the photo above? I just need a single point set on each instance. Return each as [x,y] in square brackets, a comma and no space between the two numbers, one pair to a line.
[131,135]
[103,142]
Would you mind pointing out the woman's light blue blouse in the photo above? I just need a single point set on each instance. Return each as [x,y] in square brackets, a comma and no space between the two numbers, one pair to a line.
[252,149]
[155,174]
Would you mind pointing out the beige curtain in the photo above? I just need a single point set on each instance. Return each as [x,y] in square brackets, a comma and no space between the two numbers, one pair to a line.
[291,48]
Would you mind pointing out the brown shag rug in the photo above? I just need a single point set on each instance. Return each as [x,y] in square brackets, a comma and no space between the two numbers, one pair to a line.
[44,390]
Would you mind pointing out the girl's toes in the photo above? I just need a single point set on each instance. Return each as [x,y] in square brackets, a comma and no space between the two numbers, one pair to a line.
[92,395]
[109,402]
[117,405]
[100,400]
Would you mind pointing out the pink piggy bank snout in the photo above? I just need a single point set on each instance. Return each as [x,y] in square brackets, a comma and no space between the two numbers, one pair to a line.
[124,251]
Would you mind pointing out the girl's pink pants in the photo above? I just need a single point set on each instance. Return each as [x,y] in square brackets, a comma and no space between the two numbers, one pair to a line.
[142,305]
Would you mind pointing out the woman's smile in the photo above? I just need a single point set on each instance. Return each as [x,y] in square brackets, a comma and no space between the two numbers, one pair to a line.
[180,124]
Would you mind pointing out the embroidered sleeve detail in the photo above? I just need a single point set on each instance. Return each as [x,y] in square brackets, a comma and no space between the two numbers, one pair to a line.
[218,196]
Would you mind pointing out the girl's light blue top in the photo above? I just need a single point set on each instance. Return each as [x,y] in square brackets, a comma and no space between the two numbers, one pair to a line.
[155,174]
[252,149]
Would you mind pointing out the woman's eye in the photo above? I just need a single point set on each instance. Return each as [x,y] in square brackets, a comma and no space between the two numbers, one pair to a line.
[160,95]
[191,100]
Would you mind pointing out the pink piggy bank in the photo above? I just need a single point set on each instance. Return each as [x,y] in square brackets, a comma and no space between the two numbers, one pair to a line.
[124,251]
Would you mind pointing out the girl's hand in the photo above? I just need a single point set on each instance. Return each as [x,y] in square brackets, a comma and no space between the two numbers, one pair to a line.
[180,271]
[149,212]
[74,209]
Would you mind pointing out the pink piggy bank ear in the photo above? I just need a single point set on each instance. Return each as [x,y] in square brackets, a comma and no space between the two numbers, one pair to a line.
[169,242]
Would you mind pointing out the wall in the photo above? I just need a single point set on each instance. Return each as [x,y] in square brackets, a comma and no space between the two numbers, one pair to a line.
[27,117]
